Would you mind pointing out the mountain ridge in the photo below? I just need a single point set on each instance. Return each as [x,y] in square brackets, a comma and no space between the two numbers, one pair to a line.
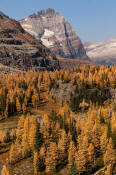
[19,49]
[103,52]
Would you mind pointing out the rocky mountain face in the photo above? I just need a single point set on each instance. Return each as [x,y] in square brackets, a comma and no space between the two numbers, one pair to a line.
[55,33]
[102,52]
[20,49]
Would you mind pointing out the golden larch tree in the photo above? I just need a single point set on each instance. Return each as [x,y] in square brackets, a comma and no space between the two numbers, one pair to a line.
[110,153]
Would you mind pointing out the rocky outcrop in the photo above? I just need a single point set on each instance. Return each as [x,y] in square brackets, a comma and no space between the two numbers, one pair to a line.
[19,49]
[102,52]
[55,33]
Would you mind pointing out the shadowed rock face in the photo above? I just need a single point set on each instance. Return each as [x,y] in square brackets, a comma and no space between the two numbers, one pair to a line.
[55,33]
[20,49]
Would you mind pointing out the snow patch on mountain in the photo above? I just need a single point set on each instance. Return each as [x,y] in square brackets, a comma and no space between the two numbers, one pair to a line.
[48,33]
[46,38]
[46,42]
[26,19]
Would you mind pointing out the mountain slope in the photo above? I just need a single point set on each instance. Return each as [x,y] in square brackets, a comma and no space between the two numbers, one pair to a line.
[55,33]
[19,49]
[102,52]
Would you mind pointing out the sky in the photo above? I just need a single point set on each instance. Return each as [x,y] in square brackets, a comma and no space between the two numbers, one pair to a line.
[92,20]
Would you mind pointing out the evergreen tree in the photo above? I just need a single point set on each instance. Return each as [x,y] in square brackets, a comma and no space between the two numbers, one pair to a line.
[38,139]
[18,105]
[35,162]
[91,155]
[51,158]
[110,153]
[4,171]
[71,154]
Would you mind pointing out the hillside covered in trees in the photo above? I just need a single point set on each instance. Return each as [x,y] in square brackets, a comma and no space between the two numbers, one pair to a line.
[66,121]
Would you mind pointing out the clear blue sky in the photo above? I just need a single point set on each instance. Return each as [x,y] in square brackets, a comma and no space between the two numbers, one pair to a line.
[93,20]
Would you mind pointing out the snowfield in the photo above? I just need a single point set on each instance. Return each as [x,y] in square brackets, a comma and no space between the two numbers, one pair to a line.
[102,51]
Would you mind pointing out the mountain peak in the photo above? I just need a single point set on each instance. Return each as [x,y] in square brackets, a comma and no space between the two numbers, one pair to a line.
[55,33]
[43,12]
[49,10]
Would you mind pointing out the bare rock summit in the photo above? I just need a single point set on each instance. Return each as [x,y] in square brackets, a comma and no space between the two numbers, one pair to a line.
[55,33]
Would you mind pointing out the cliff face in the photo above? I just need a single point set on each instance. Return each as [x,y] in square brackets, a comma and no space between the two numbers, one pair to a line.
[20,49]
[55,33]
